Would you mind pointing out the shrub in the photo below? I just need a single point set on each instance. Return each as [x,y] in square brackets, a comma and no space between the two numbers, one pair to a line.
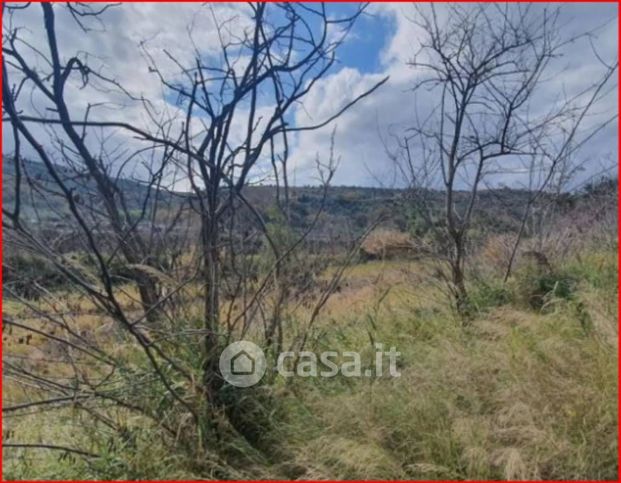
[23,273]
[535,287]
[485,295]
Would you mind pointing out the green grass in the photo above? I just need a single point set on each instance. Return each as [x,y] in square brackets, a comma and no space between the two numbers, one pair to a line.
[521,392]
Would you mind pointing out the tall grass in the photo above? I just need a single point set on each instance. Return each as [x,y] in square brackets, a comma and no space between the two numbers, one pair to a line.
[523,392]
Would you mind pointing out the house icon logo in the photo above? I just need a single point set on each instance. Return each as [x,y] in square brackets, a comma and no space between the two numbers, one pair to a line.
[242,364]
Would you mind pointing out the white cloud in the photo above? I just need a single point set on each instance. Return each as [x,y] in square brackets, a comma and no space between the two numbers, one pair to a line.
[361,130]
[168,27]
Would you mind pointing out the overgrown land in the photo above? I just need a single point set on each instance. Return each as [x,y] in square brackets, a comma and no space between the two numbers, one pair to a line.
[524,388]
[152,219]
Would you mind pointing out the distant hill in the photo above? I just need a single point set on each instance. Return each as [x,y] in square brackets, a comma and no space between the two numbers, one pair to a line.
[348,210]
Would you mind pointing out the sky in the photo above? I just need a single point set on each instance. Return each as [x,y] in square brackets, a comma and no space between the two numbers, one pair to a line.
[380,44]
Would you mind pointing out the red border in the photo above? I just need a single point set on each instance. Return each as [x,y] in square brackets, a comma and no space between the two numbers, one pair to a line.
[379,1]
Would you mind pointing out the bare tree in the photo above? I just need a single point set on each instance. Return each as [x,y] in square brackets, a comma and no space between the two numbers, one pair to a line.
[236,119]
[286,60]
[92,164]
[485,64]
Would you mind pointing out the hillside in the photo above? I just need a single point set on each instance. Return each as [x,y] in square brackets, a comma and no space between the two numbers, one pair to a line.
[347,209]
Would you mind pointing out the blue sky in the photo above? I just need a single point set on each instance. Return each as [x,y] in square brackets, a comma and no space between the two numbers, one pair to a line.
[384,42]
[380,44]
[370,34]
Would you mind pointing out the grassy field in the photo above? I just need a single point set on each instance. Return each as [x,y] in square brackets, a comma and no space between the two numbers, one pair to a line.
[519,392]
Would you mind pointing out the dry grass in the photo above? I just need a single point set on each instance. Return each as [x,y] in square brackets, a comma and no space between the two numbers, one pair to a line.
[518,394]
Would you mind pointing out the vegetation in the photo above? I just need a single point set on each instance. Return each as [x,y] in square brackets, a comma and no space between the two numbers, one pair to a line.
[526,391]
[122,293]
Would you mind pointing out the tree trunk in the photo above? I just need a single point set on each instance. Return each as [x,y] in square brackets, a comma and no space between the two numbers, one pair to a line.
[212,307]
[149,298]
[457,272]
